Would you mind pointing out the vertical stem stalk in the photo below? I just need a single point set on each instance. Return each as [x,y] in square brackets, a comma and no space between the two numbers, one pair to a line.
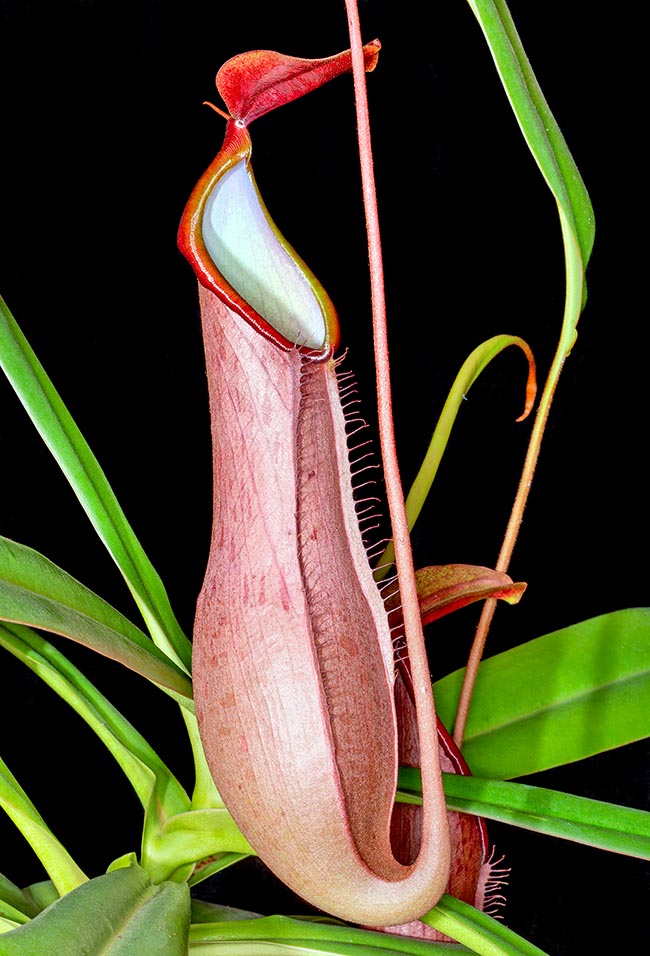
[505,555]
[394,492]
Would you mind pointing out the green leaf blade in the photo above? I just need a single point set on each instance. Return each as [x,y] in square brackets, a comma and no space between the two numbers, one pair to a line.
[62,869]
[538,125]
[18,900]
[61,435]
[594,823]
[119,914]
[580,691]
[35,592]
[142,766]
[483,934]
[321,937]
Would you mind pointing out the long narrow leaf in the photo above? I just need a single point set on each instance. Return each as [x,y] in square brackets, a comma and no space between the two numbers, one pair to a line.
[67,444]
[17,899]
[62,869]
[277,929]
[159,791]
[173,836]
[36,592]
[10,916]
[579,691]
[538,125]
[592,822]
[205,912]
[144,769]
[483,934]
[304,947]
[9,912]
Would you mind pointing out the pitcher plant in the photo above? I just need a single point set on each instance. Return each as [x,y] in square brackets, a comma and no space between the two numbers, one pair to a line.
[318,741]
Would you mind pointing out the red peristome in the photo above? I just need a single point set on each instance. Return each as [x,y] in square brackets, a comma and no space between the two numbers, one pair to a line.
[252,84]
[237,148]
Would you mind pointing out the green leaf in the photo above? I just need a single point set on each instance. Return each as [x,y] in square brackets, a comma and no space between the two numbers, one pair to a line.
[592,822]
[540,130]
[35,591]
[118,914]
[579,691]
[303,947]
[551,153]
[62,869]
[19,900]
[175,835]
[480,932]
[311,935]
[144,769]
[579,819]
[8,912]
[67,444]
[159,791]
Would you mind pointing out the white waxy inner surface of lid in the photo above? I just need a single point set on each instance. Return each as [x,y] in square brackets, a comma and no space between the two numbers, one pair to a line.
[246,250]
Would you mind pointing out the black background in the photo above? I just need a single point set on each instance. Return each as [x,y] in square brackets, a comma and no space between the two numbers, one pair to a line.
[102,137]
